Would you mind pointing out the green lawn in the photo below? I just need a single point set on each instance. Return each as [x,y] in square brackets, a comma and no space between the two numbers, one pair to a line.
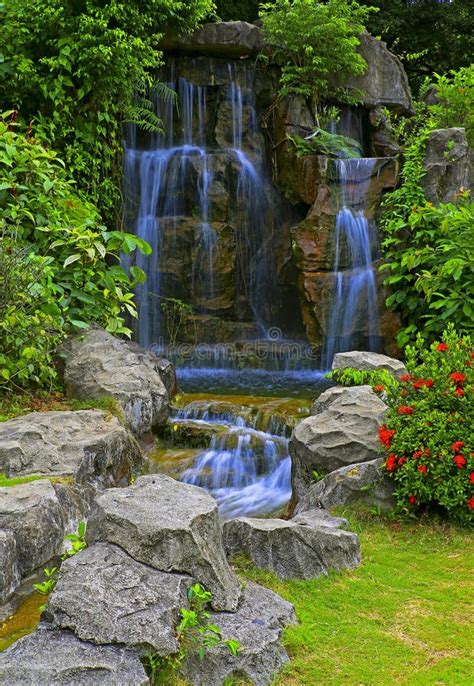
[403,617]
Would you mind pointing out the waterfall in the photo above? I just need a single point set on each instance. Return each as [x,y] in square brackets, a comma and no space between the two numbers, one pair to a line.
[169,181]
[354,303]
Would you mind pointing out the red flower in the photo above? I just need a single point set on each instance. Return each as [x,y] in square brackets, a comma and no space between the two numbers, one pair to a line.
[470,503]
[456,447]
[417,454]
[405,377]
[457,377]
[429,383]
[468,363]
[471,477]
[379,388]
[385,435]
[405,409]
[422,382]
[442,347]
[391,462]
[422,469]
[412,500]
[460,461]
[472,355]
[402,461]
[459,391]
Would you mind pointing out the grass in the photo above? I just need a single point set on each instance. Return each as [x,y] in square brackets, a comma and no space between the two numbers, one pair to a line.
[402,618]
[6,481]
[18,405]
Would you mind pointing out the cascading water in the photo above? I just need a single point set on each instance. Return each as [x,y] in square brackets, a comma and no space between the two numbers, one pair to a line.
[354,304]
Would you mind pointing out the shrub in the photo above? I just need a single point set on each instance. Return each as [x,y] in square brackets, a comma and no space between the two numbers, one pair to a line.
[455,95]
[380,379]
[429,430]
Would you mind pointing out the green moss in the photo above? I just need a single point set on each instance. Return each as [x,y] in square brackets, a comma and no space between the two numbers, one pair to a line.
[6,481]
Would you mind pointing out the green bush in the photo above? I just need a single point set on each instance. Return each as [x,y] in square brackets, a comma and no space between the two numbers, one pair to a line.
[316,44]
[455,95]
[380,379]
[429,430]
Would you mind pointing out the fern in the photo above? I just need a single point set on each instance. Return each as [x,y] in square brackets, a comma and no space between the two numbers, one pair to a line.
[143,114]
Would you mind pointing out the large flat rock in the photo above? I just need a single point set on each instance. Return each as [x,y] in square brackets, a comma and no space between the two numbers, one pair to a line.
[97,365]
[302,548]
[105,597]
[225,39]
[171,526]
[367,361]
[54,658]
[257,625]
[88,445]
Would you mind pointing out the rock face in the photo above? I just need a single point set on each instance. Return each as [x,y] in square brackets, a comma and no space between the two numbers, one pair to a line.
[302,548]
[89,445]
[385,82]
[224,39]
[106,597]
[172,527]
[9,575]
[257,625]
[344,433]
[53,658]
[366,361]
[98,365]
[447,164]
[363,483]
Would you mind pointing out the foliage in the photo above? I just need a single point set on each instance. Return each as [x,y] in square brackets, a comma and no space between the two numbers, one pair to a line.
[75,543]
[59,267]
[233,10]
[176,313]
[194,633]
[429,430]
[455,99]
[380,379]
[323,142]
[316,44]
[75,69]
[428,35]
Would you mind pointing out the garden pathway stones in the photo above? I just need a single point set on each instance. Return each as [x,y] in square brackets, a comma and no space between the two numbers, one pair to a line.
[257,625]
[98,365]
[364,483]
[302,548]
[106,597]
[366,361]
[171,526]
[58,658]
[344,433]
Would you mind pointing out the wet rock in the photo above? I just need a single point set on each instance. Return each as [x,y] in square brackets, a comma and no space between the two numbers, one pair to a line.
[189,433]
[170,526]
[97,365]
[224,39]
[366,361]
[365,483]
[447,164]
[257,625]
[302,548]
[385,82]
[55,658]
[89,446]
[9,575]
[106,597]
[344,433]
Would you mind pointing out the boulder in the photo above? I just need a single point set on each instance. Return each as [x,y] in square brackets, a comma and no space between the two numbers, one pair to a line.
[357,394]
[385,82]
[365,483]
[58,658]
[224,39]
[257,625]
[90,446]
[447,165]
[9,575]
[302,548]
[171,526]
[106,597]
[344,433]
[366,361]
[98,365]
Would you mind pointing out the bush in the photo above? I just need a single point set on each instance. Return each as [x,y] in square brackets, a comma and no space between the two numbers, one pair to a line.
[455,95]
[429,431]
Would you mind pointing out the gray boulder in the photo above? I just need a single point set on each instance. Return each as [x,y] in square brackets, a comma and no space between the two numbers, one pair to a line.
[257,625]
[90,446]
[356,394]
[97,365]
[171,526]
[54,658]
[105,596]
[302,548]
[9,575]
[224,39]
[385,82]
[363,360]
[344,433]
[447,164]
[365,483]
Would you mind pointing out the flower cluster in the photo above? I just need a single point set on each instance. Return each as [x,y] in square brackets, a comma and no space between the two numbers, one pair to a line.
[428,436]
